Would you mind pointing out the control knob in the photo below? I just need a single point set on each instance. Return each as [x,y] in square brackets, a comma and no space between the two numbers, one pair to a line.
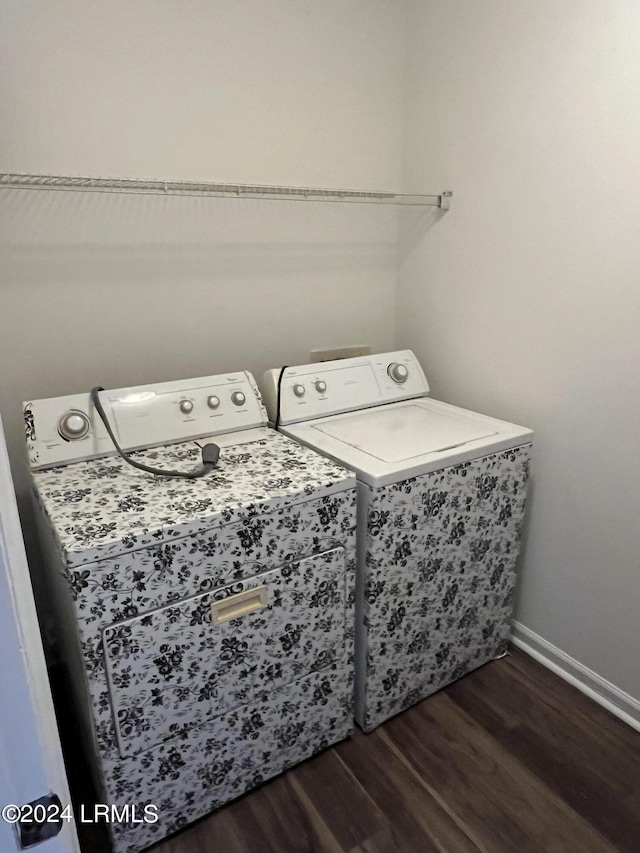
[213,402]
[321,386]
[238,398]
[298,390]
[74,425]
[398,372]
[186,407]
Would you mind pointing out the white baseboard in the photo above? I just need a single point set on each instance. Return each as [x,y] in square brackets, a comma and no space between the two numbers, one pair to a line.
[593,685]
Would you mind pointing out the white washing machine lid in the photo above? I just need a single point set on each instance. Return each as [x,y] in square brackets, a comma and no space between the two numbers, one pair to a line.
[390,443]
[399,433]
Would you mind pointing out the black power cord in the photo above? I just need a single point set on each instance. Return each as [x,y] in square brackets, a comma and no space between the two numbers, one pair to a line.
[277,418]
[210,452]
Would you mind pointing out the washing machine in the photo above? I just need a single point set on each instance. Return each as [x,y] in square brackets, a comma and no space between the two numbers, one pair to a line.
[441,494]
[206,618]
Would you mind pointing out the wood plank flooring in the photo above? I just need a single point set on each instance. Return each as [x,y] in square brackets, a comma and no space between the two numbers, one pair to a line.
[510,758]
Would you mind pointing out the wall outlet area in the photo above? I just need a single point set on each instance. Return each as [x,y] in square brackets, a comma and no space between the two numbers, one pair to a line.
[339,352]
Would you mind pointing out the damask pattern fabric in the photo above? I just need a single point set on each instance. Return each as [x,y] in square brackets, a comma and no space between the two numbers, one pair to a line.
[104,507]
[183,714]
[440,570]
[174,667]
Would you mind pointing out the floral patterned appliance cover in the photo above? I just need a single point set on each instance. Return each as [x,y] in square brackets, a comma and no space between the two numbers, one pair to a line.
[441,494]
[207,624]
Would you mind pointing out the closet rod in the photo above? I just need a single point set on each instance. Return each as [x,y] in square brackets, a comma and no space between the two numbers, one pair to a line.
[65,182]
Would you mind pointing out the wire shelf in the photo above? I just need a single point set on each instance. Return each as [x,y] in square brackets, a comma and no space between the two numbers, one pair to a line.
[256,191]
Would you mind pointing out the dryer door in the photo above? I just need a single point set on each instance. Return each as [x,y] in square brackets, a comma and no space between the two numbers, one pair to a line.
[172,668]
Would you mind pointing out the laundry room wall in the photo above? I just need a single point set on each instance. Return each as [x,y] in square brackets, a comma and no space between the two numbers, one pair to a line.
[118,289]
[524,301]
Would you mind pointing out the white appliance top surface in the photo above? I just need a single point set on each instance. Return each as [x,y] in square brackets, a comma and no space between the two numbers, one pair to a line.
[386,444]
[103,507]
[398,433]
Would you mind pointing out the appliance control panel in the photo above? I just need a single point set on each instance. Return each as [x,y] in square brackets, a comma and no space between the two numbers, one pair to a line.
[61,430]
[311,391]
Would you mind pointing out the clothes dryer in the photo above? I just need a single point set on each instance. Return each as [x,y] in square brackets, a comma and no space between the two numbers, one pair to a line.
[441,493]
[207,624]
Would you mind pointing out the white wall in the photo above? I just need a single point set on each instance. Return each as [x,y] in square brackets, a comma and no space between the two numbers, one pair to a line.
[524,301]
[123,289]
[286,92]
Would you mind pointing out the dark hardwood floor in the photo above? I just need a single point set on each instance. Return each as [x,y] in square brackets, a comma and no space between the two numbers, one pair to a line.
[509,759]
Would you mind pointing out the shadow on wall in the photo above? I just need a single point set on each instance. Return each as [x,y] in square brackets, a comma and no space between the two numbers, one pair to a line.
[413,225]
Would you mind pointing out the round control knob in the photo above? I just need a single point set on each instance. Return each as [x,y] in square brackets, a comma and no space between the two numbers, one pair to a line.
[298,390]
[74,425]
[398,372]
[321,386]
[186,407]
[238,398]
[213,402]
